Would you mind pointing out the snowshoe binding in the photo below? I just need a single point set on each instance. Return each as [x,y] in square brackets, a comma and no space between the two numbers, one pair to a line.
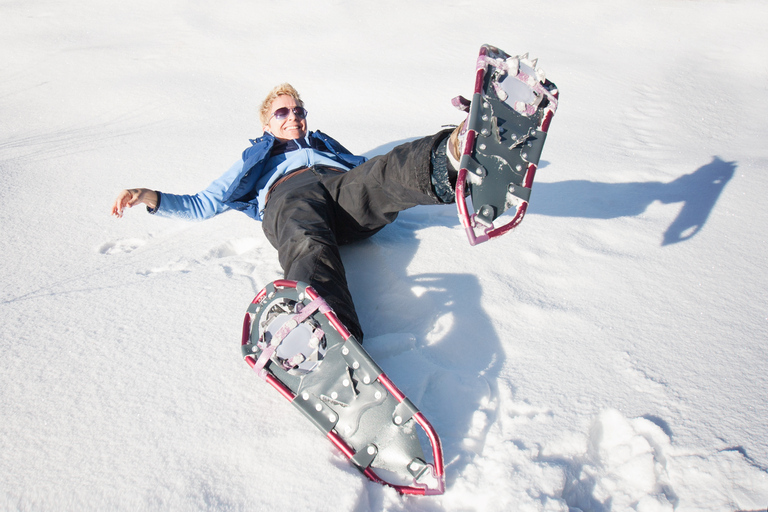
[294,341]
[503,136]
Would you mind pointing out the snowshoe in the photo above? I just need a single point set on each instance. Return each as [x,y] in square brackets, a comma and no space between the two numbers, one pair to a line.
[294,341]
[509,115]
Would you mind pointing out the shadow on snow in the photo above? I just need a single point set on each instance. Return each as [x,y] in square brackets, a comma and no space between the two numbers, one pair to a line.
[698,191]
[430,334]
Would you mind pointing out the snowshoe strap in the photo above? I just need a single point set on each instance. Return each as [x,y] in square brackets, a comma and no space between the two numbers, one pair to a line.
[461,103]
[511,66]
[308,310]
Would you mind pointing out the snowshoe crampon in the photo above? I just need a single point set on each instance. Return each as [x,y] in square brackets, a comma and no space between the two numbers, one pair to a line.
[295,342]
[509,115]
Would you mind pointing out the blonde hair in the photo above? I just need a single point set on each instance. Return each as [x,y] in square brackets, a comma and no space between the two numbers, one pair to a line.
[281,90]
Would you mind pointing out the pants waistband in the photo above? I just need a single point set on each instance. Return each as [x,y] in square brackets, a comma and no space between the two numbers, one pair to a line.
[321,168]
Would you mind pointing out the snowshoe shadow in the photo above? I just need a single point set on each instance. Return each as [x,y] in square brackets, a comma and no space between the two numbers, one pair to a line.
[430,334]
[698,191]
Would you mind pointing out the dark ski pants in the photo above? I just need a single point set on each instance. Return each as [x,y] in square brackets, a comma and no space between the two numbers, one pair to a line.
[309,215]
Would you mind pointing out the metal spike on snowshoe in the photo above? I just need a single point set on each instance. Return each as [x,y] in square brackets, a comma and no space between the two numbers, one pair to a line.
[509,116]
[344,393]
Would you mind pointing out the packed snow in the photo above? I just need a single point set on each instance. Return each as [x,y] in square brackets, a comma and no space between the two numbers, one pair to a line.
[610,354]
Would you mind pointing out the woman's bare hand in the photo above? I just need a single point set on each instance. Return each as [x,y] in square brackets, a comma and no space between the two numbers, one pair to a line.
[131,197]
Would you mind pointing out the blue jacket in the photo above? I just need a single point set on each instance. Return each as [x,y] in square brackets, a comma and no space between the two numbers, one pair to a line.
[244,186]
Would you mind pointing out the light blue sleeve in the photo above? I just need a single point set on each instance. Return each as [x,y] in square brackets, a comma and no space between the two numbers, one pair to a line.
[204,204]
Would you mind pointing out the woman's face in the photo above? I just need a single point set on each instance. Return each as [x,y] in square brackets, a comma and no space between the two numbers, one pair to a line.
[290,127]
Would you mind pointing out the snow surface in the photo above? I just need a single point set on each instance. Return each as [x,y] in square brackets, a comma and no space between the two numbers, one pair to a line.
[608,355]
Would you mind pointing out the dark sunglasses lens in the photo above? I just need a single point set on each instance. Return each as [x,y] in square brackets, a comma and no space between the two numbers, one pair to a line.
[284,112]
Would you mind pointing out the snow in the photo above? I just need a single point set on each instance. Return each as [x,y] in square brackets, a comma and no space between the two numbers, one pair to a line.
[609,354]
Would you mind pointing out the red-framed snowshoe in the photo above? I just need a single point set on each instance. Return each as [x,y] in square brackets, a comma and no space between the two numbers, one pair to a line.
[295,342]
[504,133]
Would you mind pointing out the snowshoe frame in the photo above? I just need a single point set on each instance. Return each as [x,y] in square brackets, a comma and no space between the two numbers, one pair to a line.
[498,163]
[321,412]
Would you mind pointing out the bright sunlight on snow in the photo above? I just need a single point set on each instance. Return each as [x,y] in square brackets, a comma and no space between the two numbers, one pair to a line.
[608,355]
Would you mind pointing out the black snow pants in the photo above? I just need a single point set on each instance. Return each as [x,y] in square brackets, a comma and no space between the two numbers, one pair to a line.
[311,213]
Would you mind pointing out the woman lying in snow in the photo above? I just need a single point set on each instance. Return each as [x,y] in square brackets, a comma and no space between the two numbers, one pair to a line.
[312,195]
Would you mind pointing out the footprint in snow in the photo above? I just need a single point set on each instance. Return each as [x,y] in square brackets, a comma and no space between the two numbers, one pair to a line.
[121,246]
[235,247]
[229,251]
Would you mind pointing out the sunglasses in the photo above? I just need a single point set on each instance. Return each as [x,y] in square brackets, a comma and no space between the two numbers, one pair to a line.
[282,113]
